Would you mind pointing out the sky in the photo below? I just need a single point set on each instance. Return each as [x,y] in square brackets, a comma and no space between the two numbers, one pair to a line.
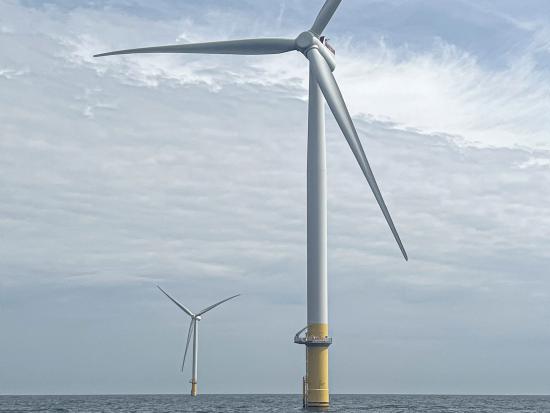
[120,173]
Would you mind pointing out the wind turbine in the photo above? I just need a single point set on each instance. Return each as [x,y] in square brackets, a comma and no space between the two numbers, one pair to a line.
[321,84]
[194,331]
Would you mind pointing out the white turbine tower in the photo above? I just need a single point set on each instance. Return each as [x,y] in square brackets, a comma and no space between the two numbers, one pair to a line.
[321,84]
[194,331]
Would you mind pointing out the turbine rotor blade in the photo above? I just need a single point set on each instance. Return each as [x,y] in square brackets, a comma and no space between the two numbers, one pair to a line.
[238,47]
[178,304]
[335,101]
[324,16]
[215,305]
[191,324]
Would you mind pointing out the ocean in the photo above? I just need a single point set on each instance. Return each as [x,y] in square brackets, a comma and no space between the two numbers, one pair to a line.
[271,403]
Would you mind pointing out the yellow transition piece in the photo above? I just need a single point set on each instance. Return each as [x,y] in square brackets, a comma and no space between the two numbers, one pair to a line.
[317,368]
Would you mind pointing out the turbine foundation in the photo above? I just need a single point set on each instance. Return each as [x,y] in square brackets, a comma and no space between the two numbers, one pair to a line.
[317,365]
[315,385]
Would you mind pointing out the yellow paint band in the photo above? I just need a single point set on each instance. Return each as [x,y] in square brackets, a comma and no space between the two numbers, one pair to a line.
[317,368]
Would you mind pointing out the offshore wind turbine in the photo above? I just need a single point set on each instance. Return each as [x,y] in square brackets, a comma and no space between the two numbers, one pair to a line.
[194,331]
[321,57]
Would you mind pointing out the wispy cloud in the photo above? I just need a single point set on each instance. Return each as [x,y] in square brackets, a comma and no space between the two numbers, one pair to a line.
[440,89]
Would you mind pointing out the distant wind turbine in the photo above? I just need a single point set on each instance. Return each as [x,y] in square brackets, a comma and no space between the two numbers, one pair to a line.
[321,83]
[193,331]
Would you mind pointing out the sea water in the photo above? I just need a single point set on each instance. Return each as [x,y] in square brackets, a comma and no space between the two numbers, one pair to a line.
[272,403]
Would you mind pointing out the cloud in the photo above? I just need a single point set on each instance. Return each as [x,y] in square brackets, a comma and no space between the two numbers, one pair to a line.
[120,173]
[9,73]
[437,89]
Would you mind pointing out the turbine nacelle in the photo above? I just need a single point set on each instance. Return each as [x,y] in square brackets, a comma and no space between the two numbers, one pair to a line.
[306,41]
[197,318]
[325,40]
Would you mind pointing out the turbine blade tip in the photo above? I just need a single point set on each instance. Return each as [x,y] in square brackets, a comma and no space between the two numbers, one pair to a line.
[106,54]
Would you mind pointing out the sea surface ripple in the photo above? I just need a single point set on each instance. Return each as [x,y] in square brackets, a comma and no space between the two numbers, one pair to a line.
[271,403]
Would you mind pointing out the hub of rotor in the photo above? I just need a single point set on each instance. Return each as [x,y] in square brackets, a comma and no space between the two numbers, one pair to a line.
[307,41]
